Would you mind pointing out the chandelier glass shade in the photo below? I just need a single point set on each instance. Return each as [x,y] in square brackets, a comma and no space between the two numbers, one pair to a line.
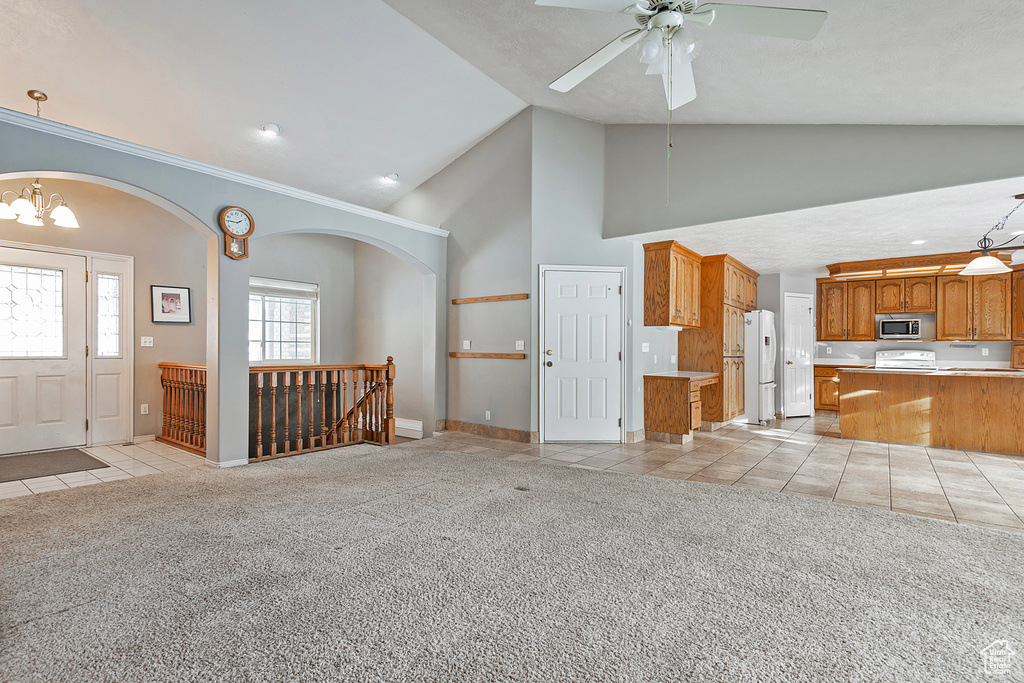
[28,208]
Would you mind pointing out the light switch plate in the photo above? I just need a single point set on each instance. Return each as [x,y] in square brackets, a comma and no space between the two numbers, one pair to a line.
[465,345]
[655,359]
[673,361]
[144,409]
[147,341]
[645,347]
[487,415]
[984,351]
[520,346]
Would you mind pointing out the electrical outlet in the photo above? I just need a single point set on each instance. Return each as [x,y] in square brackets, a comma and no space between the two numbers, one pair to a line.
[645,347]
[144,409]
[520,346]
[487,415]
[828,349]
[673,360]
[465,345]
[147,341]
[655,359]
[984,351]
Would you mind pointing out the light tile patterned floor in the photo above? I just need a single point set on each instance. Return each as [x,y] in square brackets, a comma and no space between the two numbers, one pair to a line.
[149,457]
[801,456]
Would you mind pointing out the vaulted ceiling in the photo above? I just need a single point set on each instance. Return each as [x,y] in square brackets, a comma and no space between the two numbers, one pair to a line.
[363,88]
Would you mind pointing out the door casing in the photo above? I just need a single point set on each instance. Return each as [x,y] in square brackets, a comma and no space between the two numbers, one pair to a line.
[802,300]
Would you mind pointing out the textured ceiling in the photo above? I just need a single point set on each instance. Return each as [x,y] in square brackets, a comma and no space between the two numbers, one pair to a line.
[359,89]
[803,242]
[874,62]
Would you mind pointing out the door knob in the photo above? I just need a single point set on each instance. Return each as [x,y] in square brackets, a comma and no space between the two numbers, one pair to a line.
[549,352]
[549,364]
[789,362]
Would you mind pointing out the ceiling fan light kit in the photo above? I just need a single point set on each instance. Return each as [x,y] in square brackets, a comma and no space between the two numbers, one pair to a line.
[986,264]
[666,45]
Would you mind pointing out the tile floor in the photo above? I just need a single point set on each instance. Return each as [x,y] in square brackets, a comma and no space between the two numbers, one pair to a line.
[149,457]
[801,456]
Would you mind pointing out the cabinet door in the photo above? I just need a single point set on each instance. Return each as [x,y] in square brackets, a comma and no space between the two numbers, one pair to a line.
[677,290]
[992,314]
[860,301]
[826,393]
[889,296]
[1017,357]
[919,293]
[739,404]
[1017,298]
[832,311]
[693,289]
[739,292]
[953,301]
[741,331]
[752,294]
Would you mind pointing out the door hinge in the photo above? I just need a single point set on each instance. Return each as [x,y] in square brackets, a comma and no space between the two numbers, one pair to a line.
[620,289]
[86,350]
[620,421]
[87,276]
[620,355]
[86,425]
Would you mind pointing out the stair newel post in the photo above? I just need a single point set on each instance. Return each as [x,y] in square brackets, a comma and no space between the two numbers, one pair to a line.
[389,427]
[259,416]
[273,413]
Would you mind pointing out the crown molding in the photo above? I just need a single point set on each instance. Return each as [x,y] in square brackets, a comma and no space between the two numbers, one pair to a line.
[97,140]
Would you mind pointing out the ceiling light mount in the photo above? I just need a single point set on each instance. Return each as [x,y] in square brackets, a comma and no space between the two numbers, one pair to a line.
[391,177]
[986,264]
[271,130]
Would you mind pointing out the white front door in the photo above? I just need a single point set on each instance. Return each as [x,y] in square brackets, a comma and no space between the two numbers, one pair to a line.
[581,372]
[797,355]
[110,376]
[42,350]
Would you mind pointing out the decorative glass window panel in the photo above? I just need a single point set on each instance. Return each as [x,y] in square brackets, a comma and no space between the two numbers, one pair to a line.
[108,315]
[282,321]
[31,312]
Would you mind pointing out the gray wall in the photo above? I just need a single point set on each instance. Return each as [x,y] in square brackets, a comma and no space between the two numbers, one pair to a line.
[483,199]
[388,320]
[967,354]
[725,172]
[326,260]
[771,296]
[166,251]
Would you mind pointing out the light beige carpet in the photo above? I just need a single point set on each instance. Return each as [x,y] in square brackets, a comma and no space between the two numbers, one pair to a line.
[369,564]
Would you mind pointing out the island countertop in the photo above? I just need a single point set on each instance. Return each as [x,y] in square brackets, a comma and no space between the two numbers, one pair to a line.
[688,375]
[943,372]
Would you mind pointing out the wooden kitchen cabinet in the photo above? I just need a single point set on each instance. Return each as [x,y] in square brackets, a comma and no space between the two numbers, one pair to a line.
[671,285]
[919,295]
[1017,301]
[1017,357]
[860,302]
[890,296]
[732,388]
[973,307]
[846,310]
[826,388]
[831,311]
[734,334]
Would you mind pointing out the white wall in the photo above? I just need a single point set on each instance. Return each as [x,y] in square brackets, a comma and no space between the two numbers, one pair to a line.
[166,251]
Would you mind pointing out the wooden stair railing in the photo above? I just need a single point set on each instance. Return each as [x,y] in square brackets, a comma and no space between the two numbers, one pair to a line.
[321,394]
[184,406]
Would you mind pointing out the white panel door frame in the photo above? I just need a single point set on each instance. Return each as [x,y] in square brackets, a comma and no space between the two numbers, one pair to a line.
[792,301]
[539,353]
[127,327]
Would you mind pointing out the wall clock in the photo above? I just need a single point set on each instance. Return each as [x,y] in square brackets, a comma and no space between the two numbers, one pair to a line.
[237,224]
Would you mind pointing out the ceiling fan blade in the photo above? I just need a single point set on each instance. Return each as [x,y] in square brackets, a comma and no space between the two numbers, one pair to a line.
[591,64]
[684,89]
[778,22]
[596,5]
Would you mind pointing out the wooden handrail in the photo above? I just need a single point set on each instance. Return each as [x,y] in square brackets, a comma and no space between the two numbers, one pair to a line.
[253,369]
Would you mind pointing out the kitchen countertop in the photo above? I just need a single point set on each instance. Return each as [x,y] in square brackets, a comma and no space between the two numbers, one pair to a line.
[946,372]
[689,375]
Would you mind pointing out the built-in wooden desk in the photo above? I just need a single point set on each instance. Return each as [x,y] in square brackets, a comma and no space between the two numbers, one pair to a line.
[672,406]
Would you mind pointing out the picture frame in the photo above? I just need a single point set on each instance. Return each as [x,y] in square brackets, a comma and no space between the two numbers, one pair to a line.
[171,304]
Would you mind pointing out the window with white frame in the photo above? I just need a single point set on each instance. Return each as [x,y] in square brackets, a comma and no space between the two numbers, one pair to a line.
[283,321]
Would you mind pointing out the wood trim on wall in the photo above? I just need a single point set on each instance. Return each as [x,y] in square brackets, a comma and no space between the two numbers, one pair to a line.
[509,356]
[485,299]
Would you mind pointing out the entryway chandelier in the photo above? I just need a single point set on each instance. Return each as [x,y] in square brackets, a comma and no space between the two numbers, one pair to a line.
[28,208]
[986,264]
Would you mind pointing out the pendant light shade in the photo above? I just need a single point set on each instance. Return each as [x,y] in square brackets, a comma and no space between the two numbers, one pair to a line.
[985,265]
[1018,258]
[6,212]
[22,206]
[64,217]
[30,219]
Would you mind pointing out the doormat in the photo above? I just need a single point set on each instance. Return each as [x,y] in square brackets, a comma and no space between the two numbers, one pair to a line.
[32,465]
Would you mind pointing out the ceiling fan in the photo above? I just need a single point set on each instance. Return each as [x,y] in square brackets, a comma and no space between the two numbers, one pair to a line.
[668,48]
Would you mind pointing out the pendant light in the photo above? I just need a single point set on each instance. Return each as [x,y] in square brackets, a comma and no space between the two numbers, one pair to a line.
[986,263]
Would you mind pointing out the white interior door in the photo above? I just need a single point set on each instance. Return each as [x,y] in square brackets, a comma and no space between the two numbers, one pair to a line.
[110,376]
[582,355]
[42,350]
[798,355]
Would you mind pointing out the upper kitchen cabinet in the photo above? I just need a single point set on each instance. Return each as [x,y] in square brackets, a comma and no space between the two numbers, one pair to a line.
[889,296]
[846,310]
[973,307]
[671,285]
[740,285]
[919,295]
[1017,299]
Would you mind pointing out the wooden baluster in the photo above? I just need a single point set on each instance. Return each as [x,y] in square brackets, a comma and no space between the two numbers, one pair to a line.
[323,408]
[353,417]
[344,404]
[202,411]
[389,426]
[259,416]
[175,407]
[334,406]
[287,376]
[273,413]
[380,404]
[312,393]
[298,411]
[165,429]
[190,390]
[366,402]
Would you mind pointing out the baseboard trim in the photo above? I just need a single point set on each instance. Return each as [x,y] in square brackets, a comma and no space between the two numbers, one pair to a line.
[144,438]
[668,437]
[489,431]
[410,429]
[225,465]
[636,437]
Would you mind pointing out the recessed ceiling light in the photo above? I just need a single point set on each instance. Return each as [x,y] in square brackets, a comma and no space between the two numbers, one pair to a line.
[391,177]
[919,241]
[271,130]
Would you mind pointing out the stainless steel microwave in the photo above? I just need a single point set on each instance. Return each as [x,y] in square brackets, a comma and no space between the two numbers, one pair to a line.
[908,328]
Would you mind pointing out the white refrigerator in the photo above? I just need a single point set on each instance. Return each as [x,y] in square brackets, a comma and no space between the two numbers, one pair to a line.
[759,367]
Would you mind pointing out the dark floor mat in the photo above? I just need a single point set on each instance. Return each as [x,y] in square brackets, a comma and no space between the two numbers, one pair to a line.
[32,465]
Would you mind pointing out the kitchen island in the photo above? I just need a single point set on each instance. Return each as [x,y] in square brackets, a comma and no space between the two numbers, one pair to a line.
[957,408]
[672,404]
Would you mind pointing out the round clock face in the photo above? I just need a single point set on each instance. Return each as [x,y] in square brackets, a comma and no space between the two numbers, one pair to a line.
[237,222]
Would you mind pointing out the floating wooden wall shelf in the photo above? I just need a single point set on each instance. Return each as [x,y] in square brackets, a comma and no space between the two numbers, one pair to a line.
[512,356]
[485,299]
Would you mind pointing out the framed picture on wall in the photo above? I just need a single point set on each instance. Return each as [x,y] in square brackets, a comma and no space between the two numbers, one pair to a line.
[171,304]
